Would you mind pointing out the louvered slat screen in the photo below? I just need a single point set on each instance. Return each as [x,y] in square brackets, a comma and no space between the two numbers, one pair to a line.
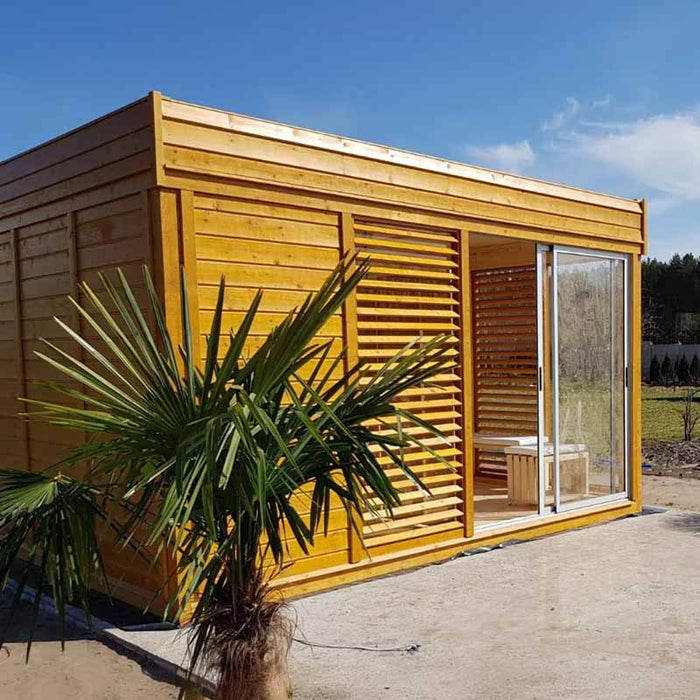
[505,357]
[413,291]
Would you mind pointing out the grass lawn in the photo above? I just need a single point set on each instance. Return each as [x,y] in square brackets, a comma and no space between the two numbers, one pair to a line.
[660,413]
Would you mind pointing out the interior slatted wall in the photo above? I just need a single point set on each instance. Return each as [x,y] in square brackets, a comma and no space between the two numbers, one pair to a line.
[413,291]
[505,356]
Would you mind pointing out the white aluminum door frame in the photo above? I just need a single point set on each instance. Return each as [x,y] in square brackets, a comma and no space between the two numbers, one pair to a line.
[554,360]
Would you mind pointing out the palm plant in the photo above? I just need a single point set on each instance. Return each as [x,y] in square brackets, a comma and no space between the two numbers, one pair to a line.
[209,461]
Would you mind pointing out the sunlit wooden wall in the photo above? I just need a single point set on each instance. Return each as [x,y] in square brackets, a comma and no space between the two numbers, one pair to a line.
[274,207]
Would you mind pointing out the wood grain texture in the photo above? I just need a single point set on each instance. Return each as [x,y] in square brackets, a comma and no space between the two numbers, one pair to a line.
[409,266]
[467,381]
[228,125]
[287,252]
[504,326]
[635,394]
[356,549]
[22,435]
[273,207]
[76,208]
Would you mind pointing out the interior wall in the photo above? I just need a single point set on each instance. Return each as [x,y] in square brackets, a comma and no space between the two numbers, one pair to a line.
[504,328]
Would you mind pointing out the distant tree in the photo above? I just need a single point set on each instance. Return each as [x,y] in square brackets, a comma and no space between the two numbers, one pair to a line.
[667,373]
[655,370]
[694,370]
[671,299]
[683,370]
[651,320]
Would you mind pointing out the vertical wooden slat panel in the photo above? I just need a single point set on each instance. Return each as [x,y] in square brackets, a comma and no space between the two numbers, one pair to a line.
[189,261]
[645,237]
[347,241]
[467,375]
[635,370]
[148,230]
[23,434]
[166,258]
[156,104]
[148,246]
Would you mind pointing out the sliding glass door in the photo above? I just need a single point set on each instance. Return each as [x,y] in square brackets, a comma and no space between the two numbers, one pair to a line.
[583,349]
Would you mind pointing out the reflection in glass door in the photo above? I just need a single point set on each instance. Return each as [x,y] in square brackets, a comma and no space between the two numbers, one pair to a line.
[589,387]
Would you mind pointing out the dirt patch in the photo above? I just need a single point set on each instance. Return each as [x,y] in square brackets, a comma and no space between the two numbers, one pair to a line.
[87,670]
[673,458]
[671,492]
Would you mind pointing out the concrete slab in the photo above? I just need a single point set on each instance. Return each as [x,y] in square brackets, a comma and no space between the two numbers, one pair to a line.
[608,611]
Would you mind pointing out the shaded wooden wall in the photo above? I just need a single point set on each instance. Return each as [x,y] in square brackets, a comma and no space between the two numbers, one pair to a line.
[69,209]
[504,328]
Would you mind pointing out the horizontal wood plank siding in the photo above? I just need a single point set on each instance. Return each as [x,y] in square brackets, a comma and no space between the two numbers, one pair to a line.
[287,252]
[200,146]
[76,208]
[270,184]
[168,183]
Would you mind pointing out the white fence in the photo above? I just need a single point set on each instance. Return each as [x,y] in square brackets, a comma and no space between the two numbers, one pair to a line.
[673,350]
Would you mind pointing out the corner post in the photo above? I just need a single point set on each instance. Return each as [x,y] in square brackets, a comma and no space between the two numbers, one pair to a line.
[23,435]
[466,380]
[635,389]
[189,262]
[347,248]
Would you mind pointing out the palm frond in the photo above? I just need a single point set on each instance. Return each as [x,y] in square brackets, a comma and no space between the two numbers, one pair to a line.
[212,458]
[48,538]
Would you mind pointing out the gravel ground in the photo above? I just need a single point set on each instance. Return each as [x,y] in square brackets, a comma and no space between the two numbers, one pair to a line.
[671,492]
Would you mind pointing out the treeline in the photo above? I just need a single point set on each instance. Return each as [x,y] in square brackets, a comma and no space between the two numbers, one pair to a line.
[675,373]
[671,300]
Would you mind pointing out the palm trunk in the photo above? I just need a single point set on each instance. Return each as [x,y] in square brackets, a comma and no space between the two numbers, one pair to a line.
[250,633]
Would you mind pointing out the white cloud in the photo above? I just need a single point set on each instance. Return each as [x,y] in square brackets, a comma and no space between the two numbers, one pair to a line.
[511,157]
[559,119]
[604,146]
[661,152]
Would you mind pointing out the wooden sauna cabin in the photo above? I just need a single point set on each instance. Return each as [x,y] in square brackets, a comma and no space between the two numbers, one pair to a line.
[538,283]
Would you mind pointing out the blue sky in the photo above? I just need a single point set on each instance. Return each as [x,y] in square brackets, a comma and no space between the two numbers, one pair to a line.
[600,95]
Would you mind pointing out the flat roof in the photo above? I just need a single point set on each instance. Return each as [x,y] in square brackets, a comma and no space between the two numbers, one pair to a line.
[312,138]
[232,121]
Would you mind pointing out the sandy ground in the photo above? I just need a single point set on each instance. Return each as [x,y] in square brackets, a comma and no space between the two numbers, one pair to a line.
[87,670]
[607,611]
[669,492]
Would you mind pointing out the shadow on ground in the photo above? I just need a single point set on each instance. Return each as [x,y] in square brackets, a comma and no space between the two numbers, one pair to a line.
[684,522]
[22,626]
[18,629]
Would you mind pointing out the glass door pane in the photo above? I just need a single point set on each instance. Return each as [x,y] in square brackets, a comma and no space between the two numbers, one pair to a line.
[589,451]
